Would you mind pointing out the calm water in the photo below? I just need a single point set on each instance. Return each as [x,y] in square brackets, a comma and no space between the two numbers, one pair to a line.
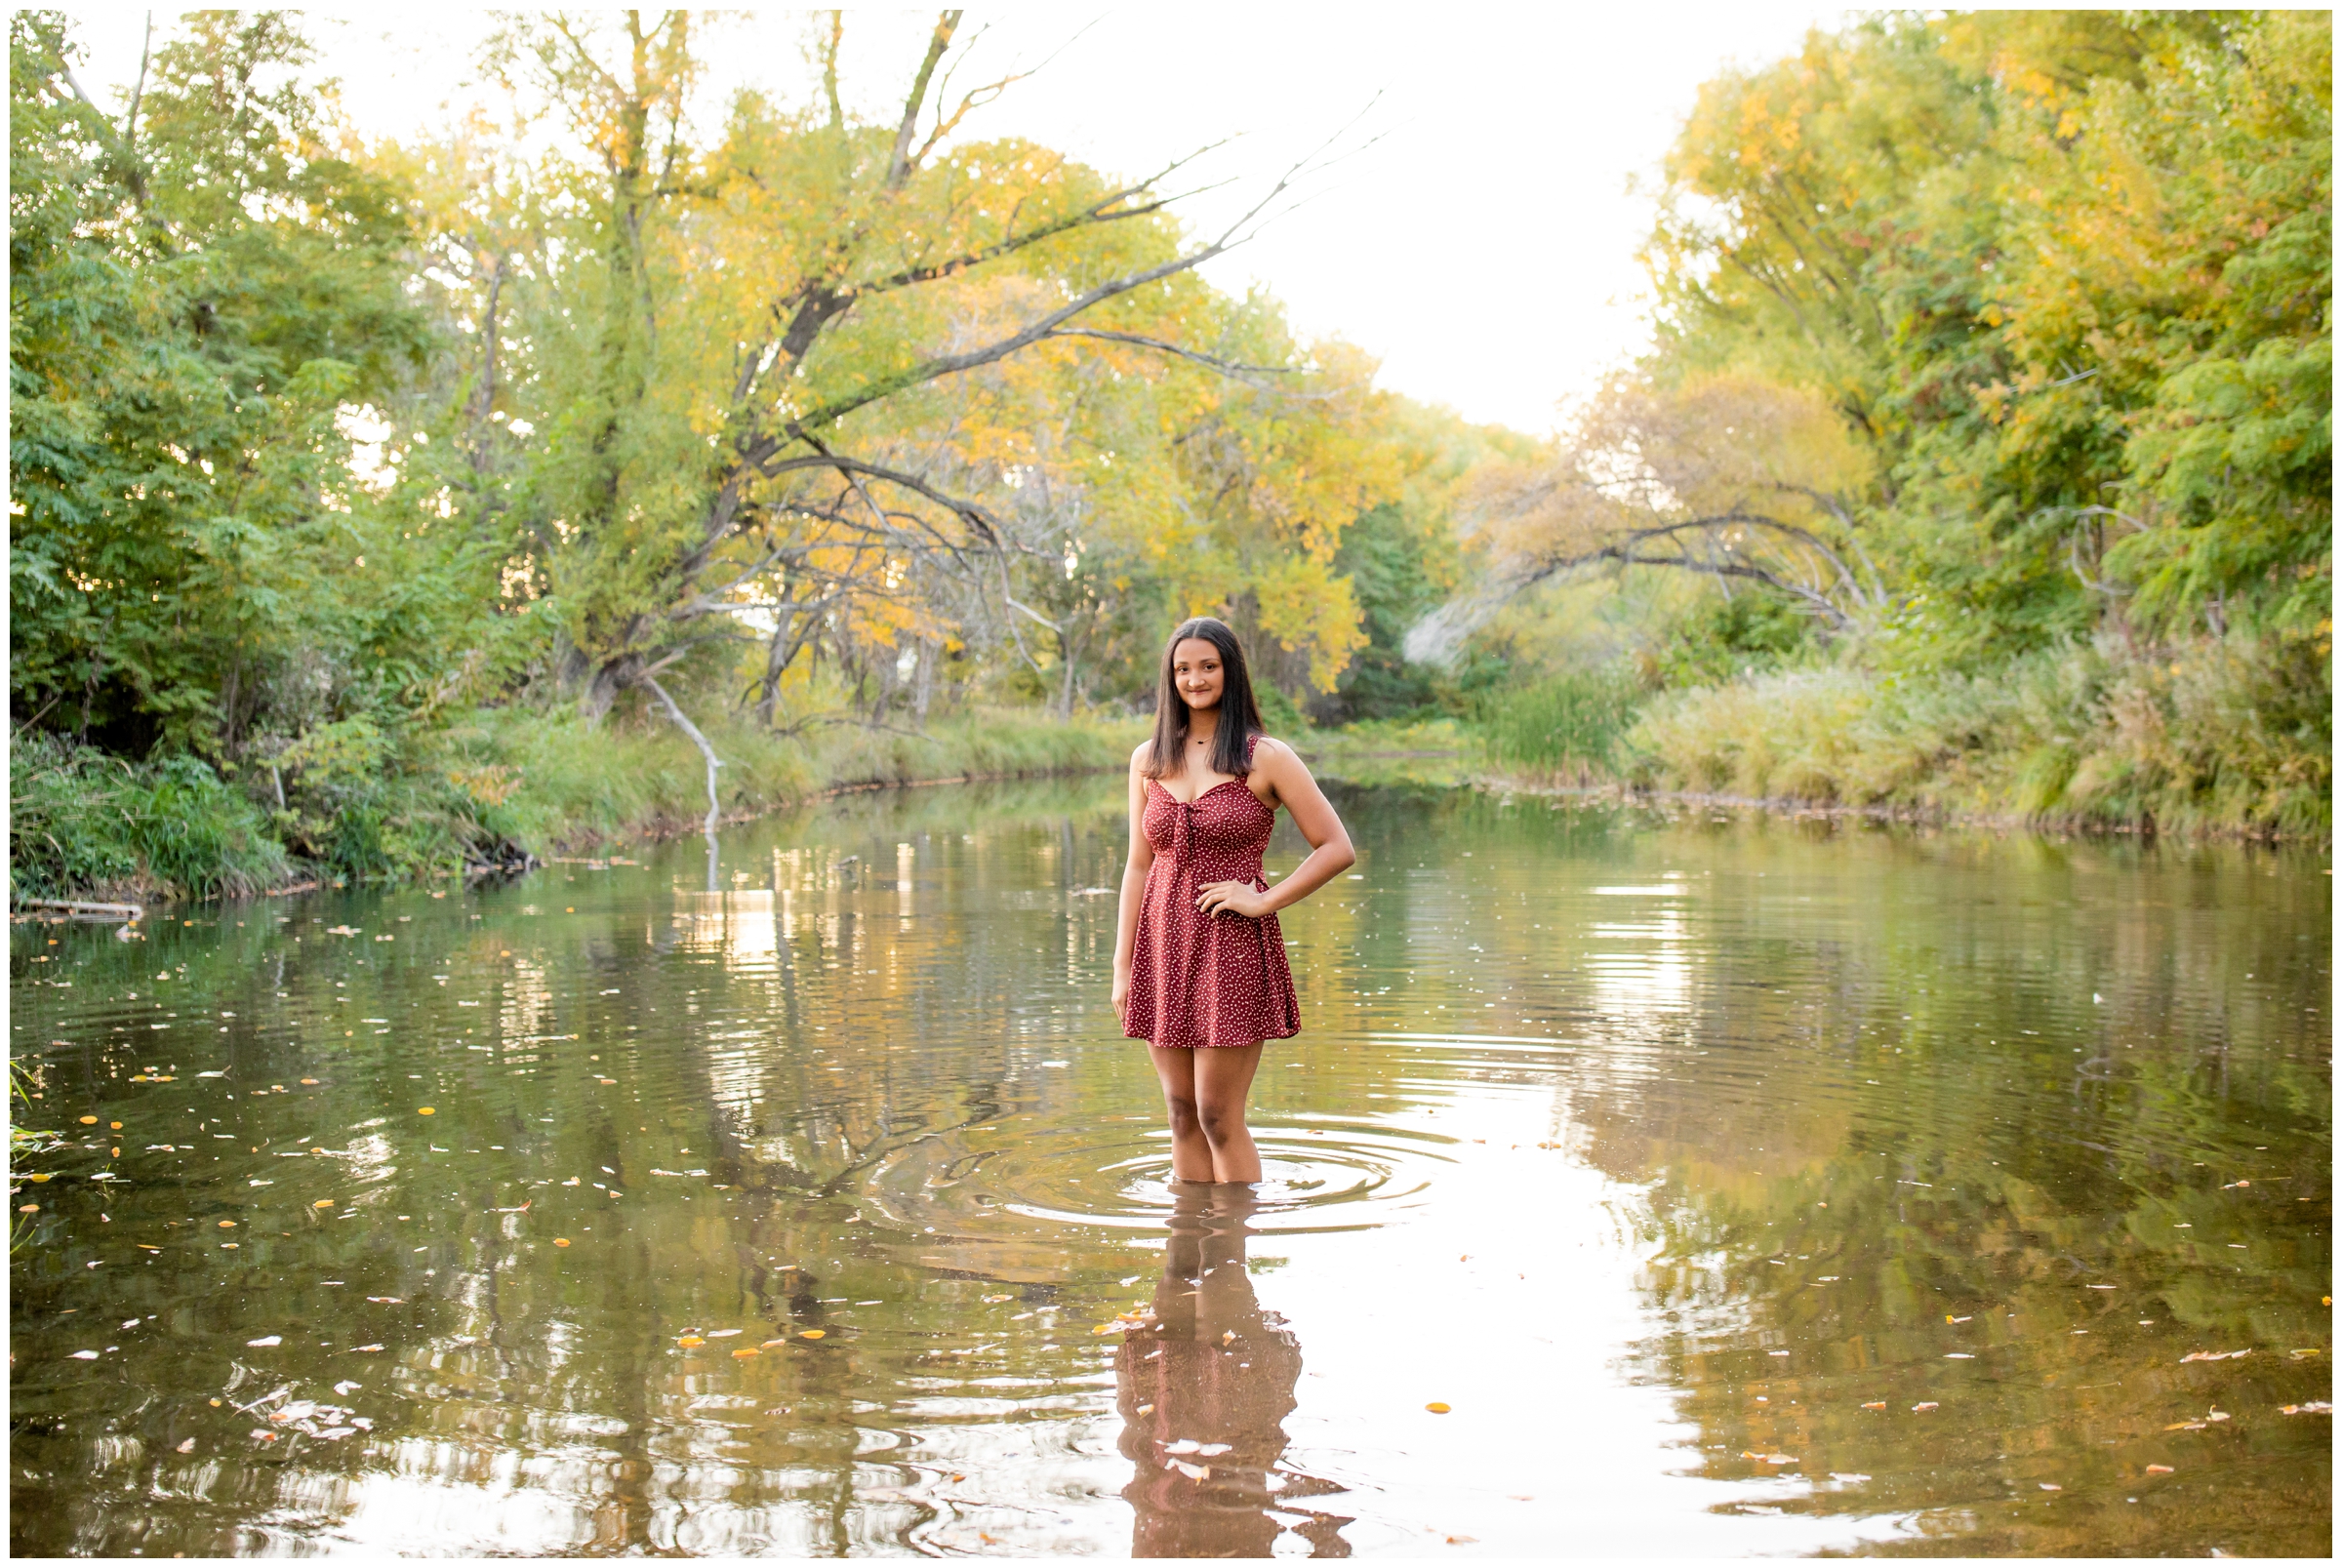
[1738,1186]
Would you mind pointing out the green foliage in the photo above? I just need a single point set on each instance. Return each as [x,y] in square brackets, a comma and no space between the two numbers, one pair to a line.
[1569,723]
[2070,273]
[1720,638]
[2065,278]
[83,823]
[1394,562]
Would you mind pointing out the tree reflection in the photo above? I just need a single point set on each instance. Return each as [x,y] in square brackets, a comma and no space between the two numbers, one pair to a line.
[1205,1395]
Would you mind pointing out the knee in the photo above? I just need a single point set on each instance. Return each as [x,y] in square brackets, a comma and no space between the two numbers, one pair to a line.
[1221,1119]
[1184,1120]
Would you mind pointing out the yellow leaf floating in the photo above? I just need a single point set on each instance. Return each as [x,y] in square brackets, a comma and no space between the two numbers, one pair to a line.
[812,1333]
[89,1121]
[322,1203]
[425,1110]
[745,1352]
[1438,1408]
[690,1340]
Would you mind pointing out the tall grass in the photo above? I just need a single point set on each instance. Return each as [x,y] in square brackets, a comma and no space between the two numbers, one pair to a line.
[1568,725]
[2228,736]
[85,825]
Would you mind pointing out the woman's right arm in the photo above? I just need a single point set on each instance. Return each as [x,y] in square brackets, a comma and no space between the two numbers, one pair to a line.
[1134,880]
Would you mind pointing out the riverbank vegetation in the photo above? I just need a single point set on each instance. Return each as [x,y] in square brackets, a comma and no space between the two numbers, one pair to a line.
[1983,459]
[382,505]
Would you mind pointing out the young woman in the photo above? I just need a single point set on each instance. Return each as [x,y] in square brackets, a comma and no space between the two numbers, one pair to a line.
[1199,961]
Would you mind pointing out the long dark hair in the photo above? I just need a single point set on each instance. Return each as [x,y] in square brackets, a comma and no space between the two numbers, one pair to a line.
[1240,714]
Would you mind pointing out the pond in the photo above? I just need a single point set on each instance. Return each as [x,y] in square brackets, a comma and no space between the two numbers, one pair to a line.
[1646,1180]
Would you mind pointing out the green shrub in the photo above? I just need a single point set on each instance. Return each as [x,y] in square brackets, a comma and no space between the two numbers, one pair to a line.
[83,823]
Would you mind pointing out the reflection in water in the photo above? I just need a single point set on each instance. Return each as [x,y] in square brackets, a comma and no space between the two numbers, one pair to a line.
[1204,1392]
[1756,1186]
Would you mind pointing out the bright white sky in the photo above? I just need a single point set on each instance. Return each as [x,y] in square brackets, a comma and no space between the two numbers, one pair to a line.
[1483,249]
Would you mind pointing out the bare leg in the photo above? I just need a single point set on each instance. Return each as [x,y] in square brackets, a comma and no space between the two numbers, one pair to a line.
[1223,1079]
[1191,1150]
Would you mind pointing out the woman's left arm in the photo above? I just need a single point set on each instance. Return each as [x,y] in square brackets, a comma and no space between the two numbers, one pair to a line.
[1330,853]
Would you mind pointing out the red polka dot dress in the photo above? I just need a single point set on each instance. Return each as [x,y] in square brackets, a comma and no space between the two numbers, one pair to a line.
[1197,980]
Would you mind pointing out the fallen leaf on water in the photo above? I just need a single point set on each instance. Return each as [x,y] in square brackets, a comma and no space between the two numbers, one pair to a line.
[1459,1541]
[689,1340]
[1848,1477]
[1227,1336]
[2050,1486]
[367,1349]
[723,1333]
[1925,1404]
[811,1333]
[1437,1407]
[187,1447]
[227,1225]
[387,1301]
[560,1241]
[2214,1356]
[1193,1473]
[2187,1426]
[308,1080]
[1143,1410]
[29,1208]
[2215,1415]
[214,1404]
[2227,1185]
[322,1203]
[425,1110]
[2316,1407]
[346,1388]
[89,1121]
[115,1125]
[1771,1459]
[996,1297]
[84,1355]
[271,1339]
[1958,1355]
[2159,1469]
[748,1350]
[1875,1404]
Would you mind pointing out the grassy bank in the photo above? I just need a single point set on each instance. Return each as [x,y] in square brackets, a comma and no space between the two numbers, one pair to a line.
[494,786]
[2226,738]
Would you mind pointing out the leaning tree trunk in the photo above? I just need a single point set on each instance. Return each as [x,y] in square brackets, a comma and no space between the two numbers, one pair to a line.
[696,739]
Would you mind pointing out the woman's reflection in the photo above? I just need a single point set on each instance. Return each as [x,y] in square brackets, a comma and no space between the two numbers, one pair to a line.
[1204,1394]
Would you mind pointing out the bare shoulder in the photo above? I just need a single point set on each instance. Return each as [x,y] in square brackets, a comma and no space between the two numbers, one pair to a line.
[1281,759]
[1138,756]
